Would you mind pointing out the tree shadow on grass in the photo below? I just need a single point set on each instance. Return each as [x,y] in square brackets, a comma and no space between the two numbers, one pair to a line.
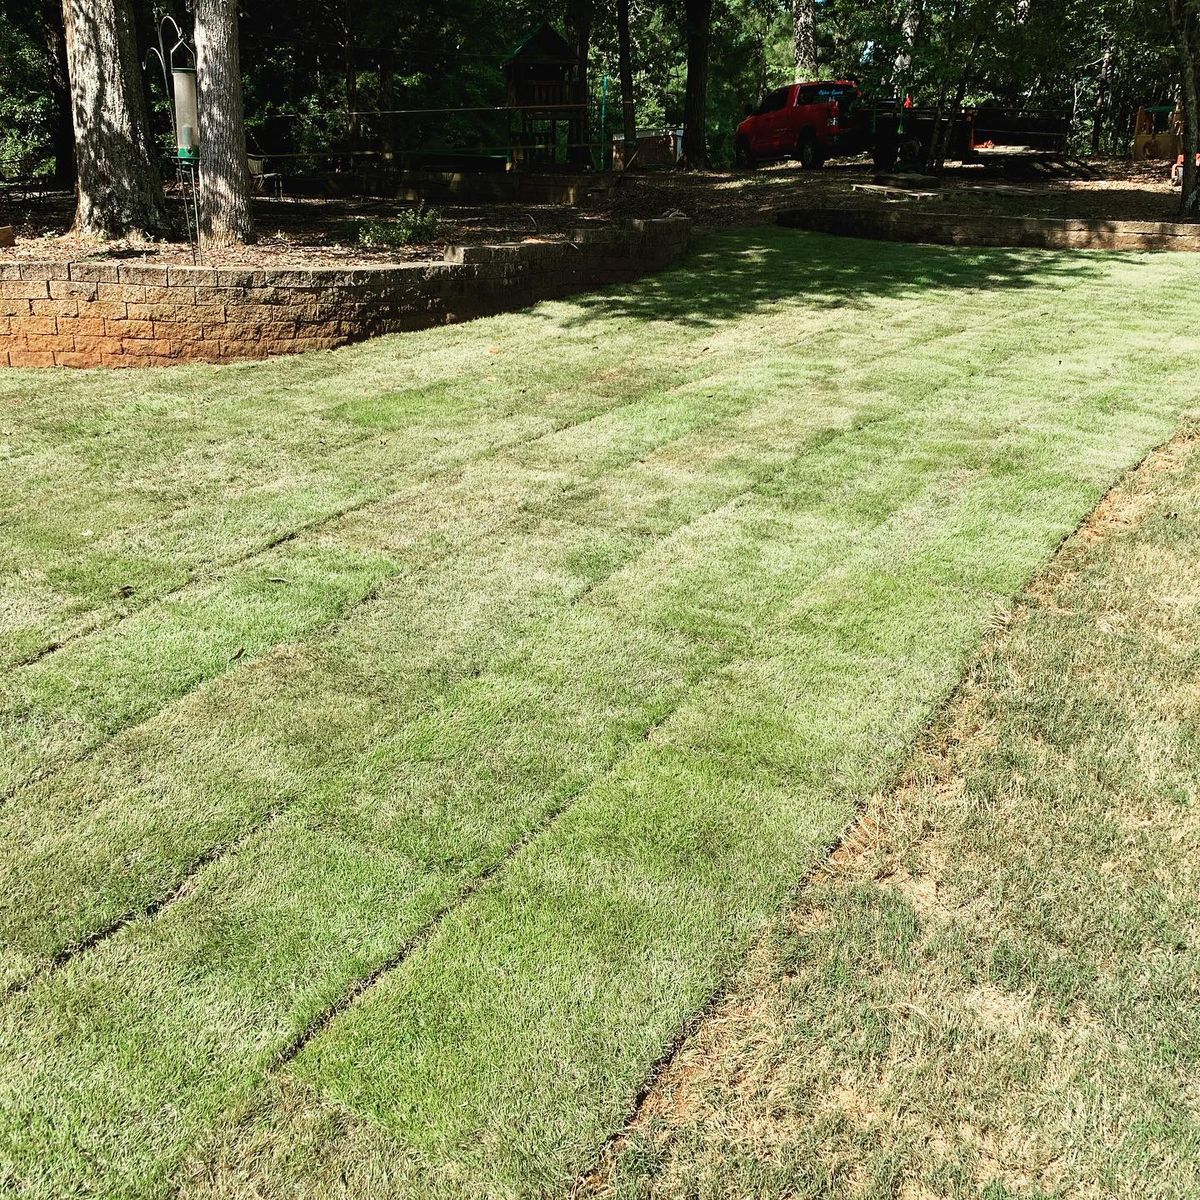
[736,274]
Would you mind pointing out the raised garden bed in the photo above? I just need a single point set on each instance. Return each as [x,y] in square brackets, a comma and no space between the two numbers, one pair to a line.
[911,223]
[126,314]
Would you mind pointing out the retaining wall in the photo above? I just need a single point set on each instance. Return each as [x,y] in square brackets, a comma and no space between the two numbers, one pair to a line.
[909,223]
[104,313]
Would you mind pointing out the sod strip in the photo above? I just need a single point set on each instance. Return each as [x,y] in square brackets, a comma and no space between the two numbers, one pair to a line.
[500,740]
[60,709]
[450,795]
[516,1037]
[82,849]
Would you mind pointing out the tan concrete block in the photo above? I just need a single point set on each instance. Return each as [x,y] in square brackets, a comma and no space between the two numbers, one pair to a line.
[31,358]
[24,289]
[123,328]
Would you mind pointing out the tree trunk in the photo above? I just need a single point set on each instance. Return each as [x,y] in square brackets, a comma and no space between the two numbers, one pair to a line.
[698,20]
[387,101]
[625,70]
[351,70]
[1101,99]
[910,30]
[62,132]
[579,31]
[1186,23]
[944,131]
[119,188]
[804,38]
[225,216]
[1184,17]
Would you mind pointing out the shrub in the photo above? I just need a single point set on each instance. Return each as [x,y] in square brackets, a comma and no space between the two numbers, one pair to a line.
[413,225]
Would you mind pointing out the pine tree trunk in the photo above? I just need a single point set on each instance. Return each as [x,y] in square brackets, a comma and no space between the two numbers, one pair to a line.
[625,70]
[119,190]
[387,101]
[225,216]
[909,32]
[351,69]
[698,20]
[804,38]
[1101,99]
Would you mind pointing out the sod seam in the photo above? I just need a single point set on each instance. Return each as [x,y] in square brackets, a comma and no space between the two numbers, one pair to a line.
[154,909]
[361,986]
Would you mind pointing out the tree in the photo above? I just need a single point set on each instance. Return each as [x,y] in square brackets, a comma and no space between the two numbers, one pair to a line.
[697,16]
[579,33]
[225,215]
[625,71]
[1101,98]
[58,84]
[910,30]
[119,191]
[1184,16]
[804,38]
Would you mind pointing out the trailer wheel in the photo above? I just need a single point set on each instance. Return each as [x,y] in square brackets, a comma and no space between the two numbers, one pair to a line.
[809,153]
[743,156]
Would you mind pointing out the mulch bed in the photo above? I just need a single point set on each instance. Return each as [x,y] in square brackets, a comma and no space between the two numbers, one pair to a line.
[313,232]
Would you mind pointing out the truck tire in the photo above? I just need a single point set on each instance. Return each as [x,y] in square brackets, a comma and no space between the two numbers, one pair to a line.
[809,153]
[743,156]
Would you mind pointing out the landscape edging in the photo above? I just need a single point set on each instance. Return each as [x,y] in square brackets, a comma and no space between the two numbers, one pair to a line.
[119,314]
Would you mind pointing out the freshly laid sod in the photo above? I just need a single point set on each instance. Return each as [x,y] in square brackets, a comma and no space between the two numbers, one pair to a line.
[401,744]
[992,992]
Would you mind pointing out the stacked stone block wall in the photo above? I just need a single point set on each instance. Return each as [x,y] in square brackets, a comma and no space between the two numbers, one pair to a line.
[911,222]
[106,313]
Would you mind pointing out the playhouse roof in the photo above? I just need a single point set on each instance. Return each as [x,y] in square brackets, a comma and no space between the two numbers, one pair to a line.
[541,44]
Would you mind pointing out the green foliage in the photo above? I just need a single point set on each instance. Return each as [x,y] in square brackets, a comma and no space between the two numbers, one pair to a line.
[375,85]
[25,108]
[410,227]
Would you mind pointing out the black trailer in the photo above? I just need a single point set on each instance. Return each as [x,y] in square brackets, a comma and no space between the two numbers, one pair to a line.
[911,135]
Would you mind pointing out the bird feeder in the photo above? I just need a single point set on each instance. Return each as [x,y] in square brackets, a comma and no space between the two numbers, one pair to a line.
[187,121]
[180,84]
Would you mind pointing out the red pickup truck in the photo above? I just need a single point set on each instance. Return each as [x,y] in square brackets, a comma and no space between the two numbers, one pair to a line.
[815,121]
[806,121]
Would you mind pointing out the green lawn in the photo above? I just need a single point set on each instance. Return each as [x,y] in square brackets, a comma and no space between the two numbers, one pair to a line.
[402,744]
